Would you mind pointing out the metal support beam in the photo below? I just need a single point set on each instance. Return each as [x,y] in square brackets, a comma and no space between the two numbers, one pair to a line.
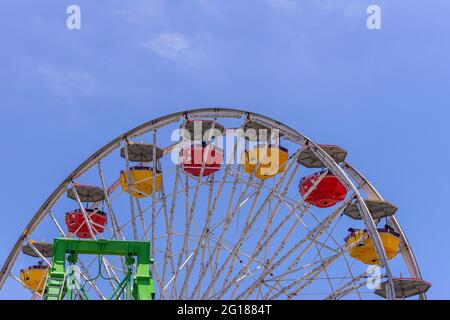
[143,285]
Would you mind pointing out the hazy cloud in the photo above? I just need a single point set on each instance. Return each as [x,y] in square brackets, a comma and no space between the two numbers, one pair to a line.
[345,8]
[284,4]
[66,82]
[176,47]
[142,11]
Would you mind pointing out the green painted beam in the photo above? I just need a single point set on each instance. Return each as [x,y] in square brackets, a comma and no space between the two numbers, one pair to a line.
[143,285]
[105,247]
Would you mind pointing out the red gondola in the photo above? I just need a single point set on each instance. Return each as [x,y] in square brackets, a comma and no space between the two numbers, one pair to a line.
[327,193]
[195,155]
[76,223]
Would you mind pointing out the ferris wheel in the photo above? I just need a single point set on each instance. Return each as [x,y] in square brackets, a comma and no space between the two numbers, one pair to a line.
[214,204]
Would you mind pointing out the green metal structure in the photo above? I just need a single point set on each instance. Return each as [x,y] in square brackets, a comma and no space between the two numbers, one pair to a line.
[137,284]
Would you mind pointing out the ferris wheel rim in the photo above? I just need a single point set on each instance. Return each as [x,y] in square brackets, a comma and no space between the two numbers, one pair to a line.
[155,124]
[406,249]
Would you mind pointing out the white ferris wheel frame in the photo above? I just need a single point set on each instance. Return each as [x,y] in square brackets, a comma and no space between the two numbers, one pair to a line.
[344,171]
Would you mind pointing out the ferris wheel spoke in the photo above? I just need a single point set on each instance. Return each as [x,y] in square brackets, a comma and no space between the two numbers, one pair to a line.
[325,270]
[211,207]
[155,271]
[319,255]
[217,247]
[233,253]
[286,237]
[206,228]
[348,287]
[86,276]
[33,247]
[169,227]
[282,244]
[226,223]
[141,218]
[87,219]
[171,195]
[323,267]
[189,217]
[174,277]
[125,225]
[204,269]
[229,218]
[238,206]
[110,272]
[115,224]
[240,255]
[90,223]
[110,269]
[199,245]
[315,272]
[149,227]
[265,238]
[149,209]
[243,179]
[307,278]
[350,272]
[324,225]
[58,226]
[312,236]
[250,221]
[24,285]
[116,196]
[356,287]
[281,277]
[330,236]
[204,238]
[262,244]
[293,211]
[189,223]
[129,181]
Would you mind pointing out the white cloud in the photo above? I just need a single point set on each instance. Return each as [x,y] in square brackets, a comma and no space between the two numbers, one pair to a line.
[212,7]
[66,82]
[345,8]
[355,10]
[142,11]
[283,4]
[176,47]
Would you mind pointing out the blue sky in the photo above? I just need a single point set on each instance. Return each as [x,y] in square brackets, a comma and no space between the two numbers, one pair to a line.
[381,94]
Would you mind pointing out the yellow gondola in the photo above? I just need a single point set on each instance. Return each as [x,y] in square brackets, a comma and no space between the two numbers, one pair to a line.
[268,161]
[365,251]
[141,181]
[34,277]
